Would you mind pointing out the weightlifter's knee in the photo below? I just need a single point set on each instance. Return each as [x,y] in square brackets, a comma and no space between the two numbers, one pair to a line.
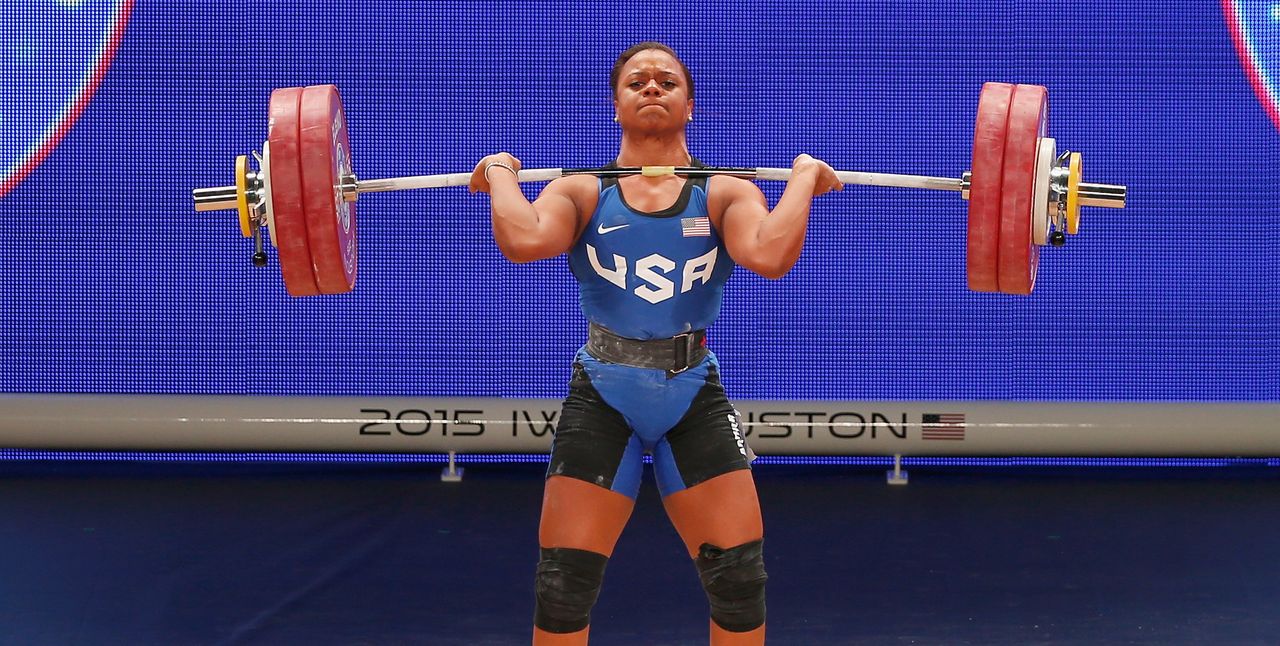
[566,588]
[734,581]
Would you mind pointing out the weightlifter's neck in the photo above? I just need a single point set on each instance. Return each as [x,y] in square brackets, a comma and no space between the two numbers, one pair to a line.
[654,150]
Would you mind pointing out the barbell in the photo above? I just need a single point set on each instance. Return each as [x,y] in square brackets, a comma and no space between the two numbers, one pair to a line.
[1022,193]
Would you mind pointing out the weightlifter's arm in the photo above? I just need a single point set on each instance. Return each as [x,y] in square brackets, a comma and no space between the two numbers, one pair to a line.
[526,231]
[769,242]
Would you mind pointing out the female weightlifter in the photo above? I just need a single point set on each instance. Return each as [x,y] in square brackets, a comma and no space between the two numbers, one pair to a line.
[651,256]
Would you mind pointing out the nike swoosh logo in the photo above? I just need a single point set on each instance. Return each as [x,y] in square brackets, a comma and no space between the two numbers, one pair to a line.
[602,229]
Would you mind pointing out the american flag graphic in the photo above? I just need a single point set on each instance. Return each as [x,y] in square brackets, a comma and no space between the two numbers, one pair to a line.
[942,426]
[691,227]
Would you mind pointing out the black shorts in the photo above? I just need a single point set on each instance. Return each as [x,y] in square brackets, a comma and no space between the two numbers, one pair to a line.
[614,414]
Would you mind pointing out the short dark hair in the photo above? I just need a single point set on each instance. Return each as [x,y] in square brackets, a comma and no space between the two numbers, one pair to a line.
[636,49]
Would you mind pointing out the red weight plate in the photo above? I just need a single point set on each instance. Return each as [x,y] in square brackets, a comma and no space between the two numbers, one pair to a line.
[1019,255]
[326,159]
[985,181]
[290,230]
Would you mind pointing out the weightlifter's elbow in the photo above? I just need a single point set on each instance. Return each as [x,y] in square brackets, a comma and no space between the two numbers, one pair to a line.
[774,273]
[771,258]
[527,251]
[514,256]
[771,268]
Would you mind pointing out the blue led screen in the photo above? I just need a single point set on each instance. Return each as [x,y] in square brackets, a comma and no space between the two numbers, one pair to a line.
[111,112]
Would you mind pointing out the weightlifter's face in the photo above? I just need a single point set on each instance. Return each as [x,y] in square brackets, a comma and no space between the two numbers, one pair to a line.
[652,93]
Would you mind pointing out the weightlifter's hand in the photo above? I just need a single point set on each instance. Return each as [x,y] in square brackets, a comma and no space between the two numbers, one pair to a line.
[489,167]
[824,176]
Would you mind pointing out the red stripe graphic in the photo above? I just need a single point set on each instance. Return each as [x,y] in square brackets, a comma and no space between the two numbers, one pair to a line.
[72,113]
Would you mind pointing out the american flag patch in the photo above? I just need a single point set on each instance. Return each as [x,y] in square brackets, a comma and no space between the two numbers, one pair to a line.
[691,227]
[942,426]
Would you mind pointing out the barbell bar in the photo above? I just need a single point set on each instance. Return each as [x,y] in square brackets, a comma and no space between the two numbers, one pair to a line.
[1090,194]
[1022,193]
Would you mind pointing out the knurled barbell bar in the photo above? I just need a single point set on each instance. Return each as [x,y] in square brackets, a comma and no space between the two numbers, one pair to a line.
[1022,193]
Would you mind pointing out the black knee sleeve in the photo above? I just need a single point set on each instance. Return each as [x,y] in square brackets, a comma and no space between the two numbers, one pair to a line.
[566,588]
[734,580]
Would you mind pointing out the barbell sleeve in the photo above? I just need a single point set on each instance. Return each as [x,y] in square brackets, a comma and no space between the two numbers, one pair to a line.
[214,198]
[1109,196]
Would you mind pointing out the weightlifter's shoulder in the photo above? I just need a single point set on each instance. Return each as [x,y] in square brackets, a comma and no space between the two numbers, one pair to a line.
[582,190]
[723,190]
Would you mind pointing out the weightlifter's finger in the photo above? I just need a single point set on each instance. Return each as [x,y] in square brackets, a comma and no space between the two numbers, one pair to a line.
[825,179]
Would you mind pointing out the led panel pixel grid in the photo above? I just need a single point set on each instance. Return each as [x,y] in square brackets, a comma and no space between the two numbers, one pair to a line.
[114,284]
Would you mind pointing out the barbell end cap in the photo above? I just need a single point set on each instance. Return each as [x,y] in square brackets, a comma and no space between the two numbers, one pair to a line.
[1111,196]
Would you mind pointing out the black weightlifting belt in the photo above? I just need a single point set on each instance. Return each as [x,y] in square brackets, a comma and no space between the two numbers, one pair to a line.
[674,355]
